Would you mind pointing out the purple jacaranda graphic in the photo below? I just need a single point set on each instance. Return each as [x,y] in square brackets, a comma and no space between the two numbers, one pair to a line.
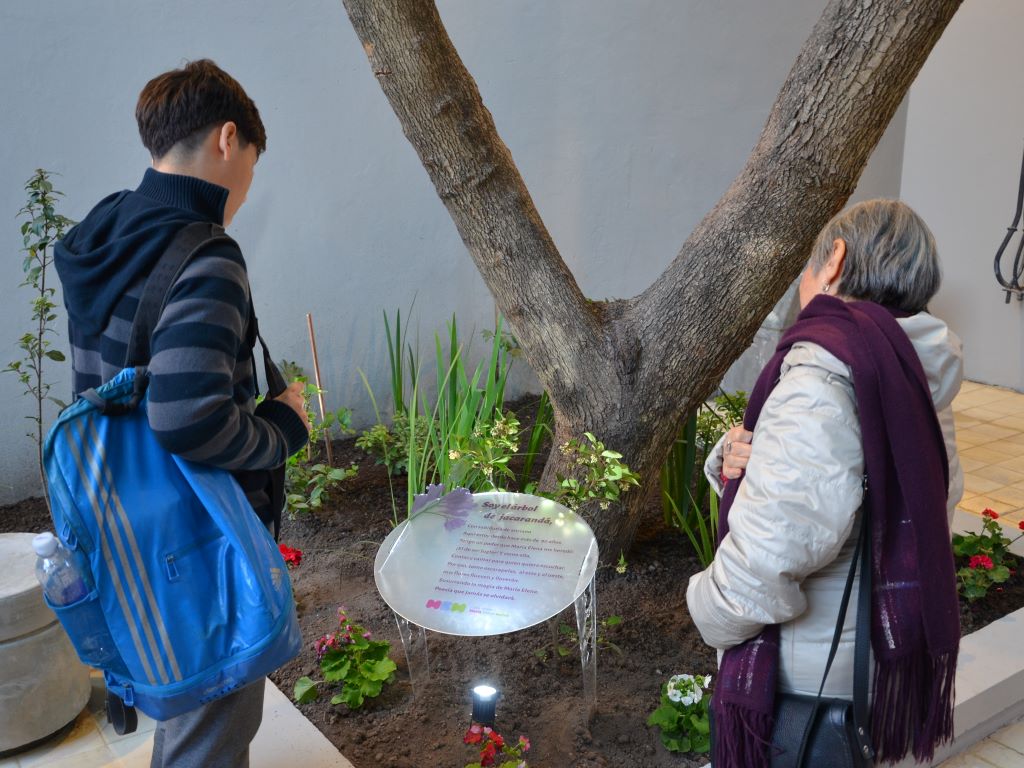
[454,506]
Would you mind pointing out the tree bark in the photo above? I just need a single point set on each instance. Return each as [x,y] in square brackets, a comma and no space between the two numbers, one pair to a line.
[631,370]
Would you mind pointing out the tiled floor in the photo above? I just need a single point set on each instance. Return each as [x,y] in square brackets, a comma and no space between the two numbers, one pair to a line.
[285,738]
[1004,749]
[990,436]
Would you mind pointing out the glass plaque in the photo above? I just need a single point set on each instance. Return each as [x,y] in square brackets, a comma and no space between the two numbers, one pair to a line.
[491,563]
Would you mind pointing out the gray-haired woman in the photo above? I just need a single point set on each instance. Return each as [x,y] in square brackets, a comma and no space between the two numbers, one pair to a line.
[860,387]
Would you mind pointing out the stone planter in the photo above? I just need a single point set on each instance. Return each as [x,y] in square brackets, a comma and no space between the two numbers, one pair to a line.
[43,685]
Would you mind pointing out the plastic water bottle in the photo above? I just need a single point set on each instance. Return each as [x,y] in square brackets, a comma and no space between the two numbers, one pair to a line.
[85,624]
[62,582]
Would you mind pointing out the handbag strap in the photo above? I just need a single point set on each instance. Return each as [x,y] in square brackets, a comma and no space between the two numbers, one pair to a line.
[861,660]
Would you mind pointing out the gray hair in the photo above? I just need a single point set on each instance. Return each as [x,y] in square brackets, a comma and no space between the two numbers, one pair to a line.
[890,255]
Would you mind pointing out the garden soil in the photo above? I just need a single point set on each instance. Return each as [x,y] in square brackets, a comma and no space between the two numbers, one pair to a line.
[540,689]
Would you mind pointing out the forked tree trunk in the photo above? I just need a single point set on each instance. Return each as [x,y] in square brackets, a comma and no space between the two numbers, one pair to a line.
[630,370]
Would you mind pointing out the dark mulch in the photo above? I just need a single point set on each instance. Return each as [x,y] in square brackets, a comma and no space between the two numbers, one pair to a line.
[540,699]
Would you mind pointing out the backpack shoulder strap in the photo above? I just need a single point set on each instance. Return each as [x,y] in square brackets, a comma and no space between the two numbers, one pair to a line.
[183,247]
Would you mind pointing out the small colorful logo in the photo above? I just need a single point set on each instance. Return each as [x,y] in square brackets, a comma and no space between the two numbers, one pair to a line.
[446,605]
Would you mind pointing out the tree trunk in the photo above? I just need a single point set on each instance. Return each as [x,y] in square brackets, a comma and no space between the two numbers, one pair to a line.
[631,370]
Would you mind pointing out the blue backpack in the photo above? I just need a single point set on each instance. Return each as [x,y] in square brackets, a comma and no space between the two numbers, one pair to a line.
[189,598]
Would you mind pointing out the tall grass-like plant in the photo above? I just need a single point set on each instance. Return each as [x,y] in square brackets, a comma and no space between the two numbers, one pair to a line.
[687,502]
[455,437]
[542,429]
[40,231]
[396,361]
[466,409]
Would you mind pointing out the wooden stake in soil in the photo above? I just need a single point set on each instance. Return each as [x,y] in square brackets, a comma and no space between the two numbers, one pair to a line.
[319,390]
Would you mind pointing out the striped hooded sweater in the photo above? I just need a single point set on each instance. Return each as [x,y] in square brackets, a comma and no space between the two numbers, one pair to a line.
[202,376]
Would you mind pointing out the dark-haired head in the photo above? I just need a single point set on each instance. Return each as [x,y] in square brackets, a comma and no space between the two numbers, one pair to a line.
[178,109]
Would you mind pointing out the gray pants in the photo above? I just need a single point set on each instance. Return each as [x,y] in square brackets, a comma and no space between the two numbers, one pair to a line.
[216,735]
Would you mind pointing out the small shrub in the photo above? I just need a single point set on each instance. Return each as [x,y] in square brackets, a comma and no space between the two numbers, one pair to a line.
[598,474]
[352,659]
[682,717]
[986,554]
[493,747]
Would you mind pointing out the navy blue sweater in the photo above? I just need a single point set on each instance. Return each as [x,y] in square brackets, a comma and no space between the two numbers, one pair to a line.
[202,380]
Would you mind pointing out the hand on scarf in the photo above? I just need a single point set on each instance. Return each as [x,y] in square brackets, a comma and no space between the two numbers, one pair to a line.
[735,451]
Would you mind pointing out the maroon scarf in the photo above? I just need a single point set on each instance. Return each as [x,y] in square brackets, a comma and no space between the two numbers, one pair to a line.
[915,628]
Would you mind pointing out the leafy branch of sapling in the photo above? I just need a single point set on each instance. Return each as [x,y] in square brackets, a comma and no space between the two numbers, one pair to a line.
[43,228]
[308,483]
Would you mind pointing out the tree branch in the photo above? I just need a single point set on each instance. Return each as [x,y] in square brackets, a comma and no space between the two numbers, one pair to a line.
[848,80]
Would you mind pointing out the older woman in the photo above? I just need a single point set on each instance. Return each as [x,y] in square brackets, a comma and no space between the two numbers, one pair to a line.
[858,394]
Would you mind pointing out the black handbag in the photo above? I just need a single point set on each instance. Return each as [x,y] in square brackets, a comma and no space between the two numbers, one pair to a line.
[819,731]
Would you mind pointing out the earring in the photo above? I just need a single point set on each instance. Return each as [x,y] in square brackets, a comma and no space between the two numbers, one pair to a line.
[824,288]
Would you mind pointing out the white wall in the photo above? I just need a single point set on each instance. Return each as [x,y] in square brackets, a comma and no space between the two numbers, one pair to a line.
[627,120]
[965,135]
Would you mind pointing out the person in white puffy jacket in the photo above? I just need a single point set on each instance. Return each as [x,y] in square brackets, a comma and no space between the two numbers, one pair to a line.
[793,524]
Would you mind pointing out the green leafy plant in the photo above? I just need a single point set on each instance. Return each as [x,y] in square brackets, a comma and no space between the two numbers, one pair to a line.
[493,747]
[621,566]
[462,436]
[682,718]
[597,474]
[480,462]
[565,639]
[381,443]
[308,483]
[984,556]
[352,659]
[40,231]
[389,445]
[687,502]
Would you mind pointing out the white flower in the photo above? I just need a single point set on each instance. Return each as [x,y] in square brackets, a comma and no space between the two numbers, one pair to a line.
[675,680]
[674,695]
[687,700]
[707,680]
[697,695]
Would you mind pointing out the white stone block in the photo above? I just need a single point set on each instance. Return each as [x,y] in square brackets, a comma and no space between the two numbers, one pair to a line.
[43,685]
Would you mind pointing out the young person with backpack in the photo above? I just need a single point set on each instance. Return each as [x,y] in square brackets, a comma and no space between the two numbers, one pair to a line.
[205,135]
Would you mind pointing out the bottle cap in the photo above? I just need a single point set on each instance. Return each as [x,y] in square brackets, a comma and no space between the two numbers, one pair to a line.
[45,544]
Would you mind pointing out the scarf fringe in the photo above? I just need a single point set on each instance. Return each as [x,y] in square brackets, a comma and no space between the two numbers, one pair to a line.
[912,708]
[742,737]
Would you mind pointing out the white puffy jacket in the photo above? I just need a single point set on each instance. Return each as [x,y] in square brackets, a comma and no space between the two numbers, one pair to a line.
[794,523]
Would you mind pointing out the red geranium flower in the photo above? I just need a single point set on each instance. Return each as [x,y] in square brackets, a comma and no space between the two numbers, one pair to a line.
[990,513]
[473,735]
[487,754]
[1021,525]
[293,557]
[981,561]
[497,740]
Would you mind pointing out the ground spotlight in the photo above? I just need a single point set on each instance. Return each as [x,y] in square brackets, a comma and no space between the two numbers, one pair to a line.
[485,698]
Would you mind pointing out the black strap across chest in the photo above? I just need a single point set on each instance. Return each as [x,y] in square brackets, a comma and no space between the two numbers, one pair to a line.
[186,244]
